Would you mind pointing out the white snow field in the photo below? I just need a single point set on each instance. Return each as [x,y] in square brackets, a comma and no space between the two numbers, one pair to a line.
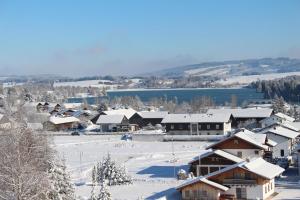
[149,163]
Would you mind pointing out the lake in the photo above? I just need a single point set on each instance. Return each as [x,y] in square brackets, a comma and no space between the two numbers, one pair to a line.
[219,96]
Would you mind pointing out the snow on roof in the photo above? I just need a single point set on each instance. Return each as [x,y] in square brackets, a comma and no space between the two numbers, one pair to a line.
[263,168]
[220,153]
[63,120]
[152,114]
[127,112]
[271,143]
[282,131]
[244,112]
[285,117]
[72,105]
[203,180]
[257,166]
[110,119]
[248,136]
[196,118]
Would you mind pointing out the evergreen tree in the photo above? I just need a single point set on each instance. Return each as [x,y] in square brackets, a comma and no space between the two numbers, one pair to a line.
[110,171]
[104,194]
[61,186]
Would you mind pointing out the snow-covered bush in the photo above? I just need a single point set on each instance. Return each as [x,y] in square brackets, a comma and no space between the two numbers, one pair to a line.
[109,170]
[104,193]
[181,174]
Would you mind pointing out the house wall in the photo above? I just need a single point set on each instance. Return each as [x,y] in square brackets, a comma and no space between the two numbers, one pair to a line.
[212,193]
[246,153]
[198,128]
[270,120]
[282,143]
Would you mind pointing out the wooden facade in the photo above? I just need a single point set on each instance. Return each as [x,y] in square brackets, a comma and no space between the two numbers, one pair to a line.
[200,191]
[234,143]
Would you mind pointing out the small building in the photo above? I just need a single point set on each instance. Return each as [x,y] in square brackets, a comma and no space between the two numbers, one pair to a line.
[253,179]
[197,124]
[276,118]
[145,118]
[245,117]
[61,123]
[113,123]
[244,144]
[285,139]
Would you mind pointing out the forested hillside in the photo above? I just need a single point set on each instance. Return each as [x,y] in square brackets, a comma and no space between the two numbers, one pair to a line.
[288,88]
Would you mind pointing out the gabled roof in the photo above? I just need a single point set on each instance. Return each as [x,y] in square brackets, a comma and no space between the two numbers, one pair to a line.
[248,136]
[127,112]
[197,118]
[203,180]
[285,117]
[263,168]
[219,153]
[244,112]
[282,131]
[110,119]
[153,114]
[63,120]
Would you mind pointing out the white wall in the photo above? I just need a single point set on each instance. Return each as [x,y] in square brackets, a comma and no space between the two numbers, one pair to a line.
[282,143]
[246,153]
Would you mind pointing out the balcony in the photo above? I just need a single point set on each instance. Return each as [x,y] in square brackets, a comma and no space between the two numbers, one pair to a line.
[239,181]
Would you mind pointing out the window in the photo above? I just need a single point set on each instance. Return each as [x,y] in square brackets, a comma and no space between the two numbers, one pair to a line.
[187,194]
[208,133]
[172,126]
[180,126]
[271,185]
[217,126]
[235,141]
[256,152]
[199,127]
[240,154]
[282,153]
[195,193]
[208,126]
[266,189]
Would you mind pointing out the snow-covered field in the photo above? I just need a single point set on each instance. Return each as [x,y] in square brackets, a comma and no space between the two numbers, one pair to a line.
[87,83]
[249,79]
[149,163]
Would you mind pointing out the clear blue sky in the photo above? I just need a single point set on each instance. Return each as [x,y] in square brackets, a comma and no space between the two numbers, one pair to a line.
[73,37]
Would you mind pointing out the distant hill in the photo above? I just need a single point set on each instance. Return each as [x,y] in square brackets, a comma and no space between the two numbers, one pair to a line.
[227,69]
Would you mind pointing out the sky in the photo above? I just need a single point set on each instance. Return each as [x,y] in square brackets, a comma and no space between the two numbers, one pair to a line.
[129,37]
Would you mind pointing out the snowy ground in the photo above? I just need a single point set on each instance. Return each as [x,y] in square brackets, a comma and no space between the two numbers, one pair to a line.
[149,163]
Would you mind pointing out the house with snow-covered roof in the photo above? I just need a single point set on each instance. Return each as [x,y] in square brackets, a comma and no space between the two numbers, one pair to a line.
[276,118]
[56,123]
[113,123]
[197,124]
[245,144]
[284,137]
[250,179]
[245,116]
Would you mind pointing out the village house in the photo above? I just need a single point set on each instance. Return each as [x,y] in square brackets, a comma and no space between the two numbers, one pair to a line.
[61,123]
[251,179]
[145,118]
[245,144]
[113,123]
[276,118]
[197,124]
[284,137]
[245,117]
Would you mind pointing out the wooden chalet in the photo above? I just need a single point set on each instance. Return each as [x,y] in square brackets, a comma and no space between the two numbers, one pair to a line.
[61,123]
[253,179]
[245,144]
